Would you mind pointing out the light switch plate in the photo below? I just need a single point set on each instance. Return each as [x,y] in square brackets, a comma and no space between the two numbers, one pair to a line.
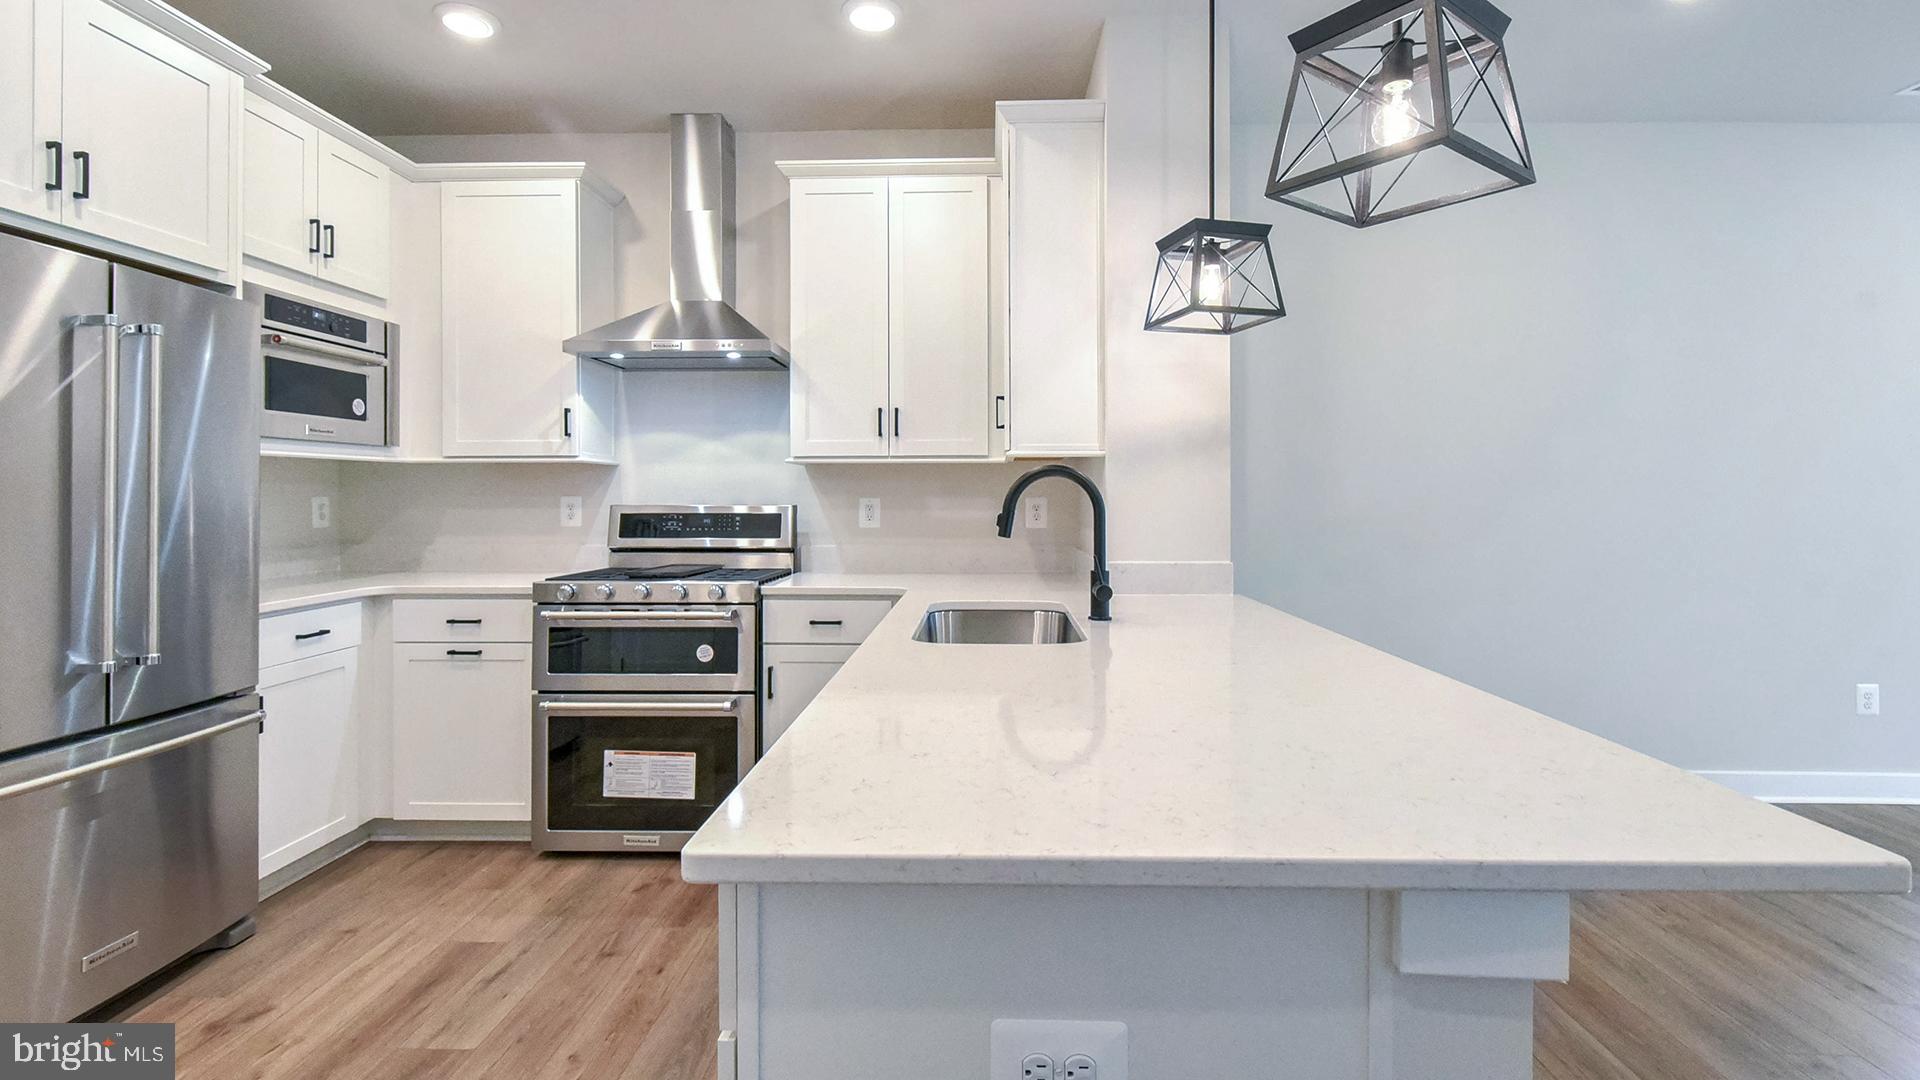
[1010,1041]
[322,512]
[571,514]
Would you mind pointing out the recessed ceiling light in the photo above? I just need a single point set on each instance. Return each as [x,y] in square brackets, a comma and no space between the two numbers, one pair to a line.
[872,16]
[467,21]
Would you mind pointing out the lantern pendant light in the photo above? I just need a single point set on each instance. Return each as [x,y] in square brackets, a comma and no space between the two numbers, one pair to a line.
[1214,277]
[1398,107]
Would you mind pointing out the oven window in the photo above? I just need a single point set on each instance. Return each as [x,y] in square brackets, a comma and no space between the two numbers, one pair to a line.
[315,390]
[655,650]
[639,773]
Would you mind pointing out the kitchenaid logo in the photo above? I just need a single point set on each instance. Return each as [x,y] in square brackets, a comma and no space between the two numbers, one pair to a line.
[126,1051]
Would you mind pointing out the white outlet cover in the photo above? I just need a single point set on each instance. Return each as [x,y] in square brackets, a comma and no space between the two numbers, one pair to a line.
[1866,698]
[1036,511]
[322,512]
[869,513]
[1009,1041]
[571,514]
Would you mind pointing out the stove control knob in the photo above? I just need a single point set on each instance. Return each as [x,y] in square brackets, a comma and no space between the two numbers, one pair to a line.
[565,592]
[605,592]
[680,592]
[716,592]
[643,591]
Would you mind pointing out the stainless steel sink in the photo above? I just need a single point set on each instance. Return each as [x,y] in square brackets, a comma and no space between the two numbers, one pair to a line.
[971,624]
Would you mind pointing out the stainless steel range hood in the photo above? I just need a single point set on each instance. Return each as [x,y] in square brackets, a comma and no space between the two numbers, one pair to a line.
[697,329]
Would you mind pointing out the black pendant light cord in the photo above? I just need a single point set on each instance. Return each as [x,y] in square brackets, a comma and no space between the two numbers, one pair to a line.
[1211,124]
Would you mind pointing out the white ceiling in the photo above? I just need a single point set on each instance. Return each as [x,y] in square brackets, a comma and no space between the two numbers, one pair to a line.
[794,65]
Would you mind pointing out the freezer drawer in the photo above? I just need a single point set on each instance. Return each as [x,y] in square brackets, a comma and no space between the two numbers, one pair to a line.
[123,853]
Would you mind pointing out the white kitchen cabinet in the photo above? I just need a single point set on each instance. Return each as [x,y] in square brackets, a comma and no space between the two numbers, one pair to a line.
[29,107]
[147,125]
[892,316]
[314,205]
[937,317]
[794,675]
[462,731]
[839,378]
[525,264]
[309,755]
[1053,154]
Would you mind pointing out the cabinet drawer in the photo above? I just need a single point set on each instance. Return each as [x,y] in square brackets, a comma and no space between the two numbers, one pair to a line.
[456,619]
[824,622]
[308,633]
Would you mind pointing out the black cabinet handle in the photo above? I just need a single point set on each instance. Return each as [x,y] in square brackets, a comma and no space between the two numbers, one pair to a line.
[85,161]
[880,421]
[463,622]
[59,165]
[311,634]
[328,230]
[465,652]
[769,682]
[566,423]
[313,236]
[1000,413]
[824,622]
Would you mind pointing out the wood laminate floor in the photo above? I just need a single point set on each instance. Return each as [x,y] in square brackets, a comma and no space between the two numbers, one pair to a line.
[486,962]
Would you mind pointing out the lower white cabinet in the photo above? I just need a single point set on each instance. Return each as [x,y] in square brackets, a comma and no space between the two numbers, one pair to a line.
[309,755]
[795,675]
[462,731]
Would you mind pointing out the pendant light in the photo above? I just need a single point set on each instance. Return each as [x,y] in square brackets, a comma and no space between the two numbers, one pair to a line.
[1398,107]
[1214,277]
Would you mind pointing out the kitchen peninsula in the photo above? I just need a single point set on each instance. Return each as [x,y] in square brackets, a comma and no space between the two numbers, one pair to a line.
[1258,844]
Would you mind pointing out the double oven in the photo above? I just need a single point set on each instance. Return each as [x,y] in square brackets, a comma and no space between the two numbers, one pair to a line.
[646,676]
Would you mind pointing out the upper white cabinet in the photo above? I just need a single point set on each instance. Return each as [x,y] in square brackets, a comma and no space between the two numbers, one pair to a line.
[314,205]
[892,315]
[525,264]
[1053,154]
[30,107]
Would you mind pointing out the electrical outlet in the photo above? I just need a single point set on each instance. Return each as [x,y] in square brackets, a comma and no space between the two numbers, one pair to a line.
[1036,511]
[322,512]
[1086,1049]
[571,515]
[1866,698]
[869,513]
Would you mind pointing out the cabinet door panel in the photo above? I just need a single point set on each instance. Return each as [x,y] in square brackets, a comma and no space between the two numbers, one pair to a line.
[510,296]
[29,106]
[939,324]
[309,756]
[1055,287]
[354,197]
[155,118]
[462,732]
[795,675]
[839,261]
[280,170]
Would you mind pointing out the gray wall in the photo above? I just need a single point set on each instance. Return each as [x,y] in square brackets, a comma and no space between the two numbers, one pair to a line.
[1635,447]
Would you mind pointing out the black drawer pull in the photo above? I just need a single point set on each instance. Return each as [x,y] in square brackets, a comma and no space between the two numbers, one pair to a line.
[465,652]
[311,634]
[825,622]
[463,622]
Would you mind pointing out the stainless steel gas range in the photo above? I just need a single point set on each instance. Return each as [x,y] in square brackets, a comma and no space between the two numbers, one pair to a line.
[646,676]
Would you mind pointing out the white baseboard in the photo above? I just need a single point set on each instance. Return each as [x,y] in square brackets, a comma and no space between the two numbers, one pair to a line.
[1821,787]
[1145,578]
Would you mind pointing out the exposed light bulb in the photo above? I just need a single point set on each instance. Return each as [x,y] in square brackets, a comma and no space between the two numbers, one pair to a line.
[1211,288]
[1396,120]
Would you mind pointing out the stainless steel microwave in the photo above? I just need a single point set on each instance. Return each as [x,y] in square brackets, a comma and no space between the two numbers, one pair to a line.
[329,374]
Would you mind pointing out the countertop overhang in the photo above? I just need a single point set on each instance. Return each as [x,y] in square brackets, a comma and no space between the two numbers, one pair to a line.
[1216,741]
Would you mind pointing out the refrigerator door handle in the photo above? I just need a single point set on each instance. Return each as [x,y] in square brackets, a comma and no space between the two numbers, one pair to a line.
[55,779]
[155,333]
[108,659]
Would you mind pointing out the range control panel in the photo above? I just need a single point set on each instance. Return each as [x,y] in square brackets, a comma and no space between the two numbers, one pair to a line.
[703,526]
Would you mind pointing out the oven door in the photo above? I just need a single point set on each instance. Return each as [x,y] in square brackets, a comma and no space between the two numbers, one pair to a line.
[323,393]
[644,649]
[617,772]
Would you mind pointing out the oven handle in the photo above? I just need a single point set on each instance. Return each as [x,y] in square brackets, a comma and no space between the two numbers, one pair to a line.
[321,348]
[638,617]
[721,706]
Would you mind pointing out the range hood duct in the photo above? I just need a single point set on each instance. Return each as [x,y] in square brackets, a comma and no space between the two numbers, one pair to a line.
[697,329]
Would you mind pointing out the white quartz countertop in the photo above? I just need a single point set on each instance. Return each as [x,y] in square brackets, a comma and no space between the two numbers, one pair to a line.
[1215,741]
[294,594]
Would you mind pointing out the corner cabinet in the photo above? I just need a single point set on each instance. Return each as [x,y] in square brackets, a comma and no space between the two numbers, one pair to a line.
[893,314]
[113,129]
[526,264]
[1053,154]
[314,205]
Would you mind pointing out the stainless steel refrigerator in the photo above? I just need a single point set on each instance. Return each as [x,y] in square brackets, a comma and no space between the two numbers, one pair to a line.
[129,762]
